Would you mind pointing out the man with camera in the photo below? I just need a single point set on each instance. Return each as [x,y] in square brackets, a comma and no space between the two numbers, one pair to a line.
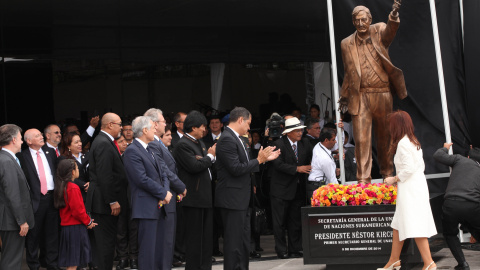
[324,170]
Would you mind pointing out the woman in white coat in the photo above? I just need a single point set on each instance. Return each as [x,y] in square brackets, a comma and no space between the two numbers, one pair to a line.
[413,216]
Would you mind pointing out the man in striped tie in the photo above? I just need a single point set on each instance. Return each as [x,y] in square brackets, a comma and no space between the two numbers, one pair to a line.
[287,188]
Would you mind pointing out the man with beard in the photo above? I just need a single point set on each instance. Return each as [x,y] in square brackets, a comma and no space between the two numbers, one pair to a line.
[108,185]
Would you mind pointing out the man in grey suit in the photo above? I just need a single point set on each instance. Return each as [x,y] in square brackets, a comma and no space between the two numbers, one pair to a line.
[16,210]
[462,199]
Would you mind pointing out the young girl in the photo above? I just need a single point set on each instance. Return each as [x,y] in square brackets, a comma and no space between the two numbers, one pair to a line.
[74,249]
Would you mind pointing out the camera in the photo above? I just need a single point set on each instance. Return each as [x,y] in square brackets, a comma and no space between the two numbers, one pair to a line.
[275,125]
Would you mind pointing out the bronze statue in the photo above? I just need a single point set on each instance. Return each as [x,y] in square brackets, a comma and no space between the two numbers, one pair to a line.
[370,79]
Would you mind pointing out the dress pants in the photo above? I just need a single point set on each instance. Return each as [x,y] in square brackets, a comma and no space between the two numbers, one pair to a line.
[47,222]
[180,248]
[236,238]
[466,213]
[199,232]
[127,236]
[105,235]
[286,216]
[168,228]
[151,239]
[12,250]
[374,109]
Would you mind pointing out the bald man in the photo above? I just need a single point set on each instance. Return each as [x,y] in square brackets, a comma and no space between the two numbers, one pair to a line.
[107,195]
[39,167]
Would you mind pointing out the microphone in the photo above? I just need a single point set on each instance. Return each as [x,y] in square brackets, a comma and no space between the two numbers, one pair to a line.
[326,96]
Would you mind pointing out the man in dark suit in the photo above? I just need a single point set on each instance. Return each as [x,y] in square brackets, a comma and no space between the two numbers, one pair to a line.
[178,119]
[370,79]
[234,187]
[215,131]
[462,199]
[287,188]
[210,139]
[39,167]
[15,203]
[313,131]
[106,194]
[150,193]
[54,137]
[169,167]
[194,162]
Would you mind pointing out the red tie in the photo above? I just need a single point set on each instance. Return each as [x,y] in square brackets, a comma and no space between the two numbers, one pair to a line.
[118,148]
[56,151]
[41,174]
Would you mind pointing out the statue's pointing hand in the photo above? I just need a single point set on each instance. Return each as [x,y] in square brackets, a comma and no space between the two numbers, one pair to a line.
[396,7]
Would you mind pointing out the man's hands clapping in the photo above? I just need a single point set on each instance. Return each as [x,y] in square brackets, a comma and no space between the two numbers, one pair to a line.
[267,154]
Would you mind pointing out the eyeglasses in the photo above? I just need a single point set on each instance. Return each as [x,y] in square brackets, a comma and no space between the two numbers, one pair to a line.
[56,132]
[120,124]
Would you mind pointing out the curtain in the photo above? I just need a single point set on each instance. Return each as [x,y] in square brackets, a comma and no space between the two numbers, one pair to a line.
[217,71]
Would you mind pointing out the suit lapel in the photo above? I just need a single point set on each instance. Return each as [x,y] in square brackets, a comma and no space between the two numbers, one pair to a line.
[145,153]
[354,53]
[239,144]
[112,143]
[27,156]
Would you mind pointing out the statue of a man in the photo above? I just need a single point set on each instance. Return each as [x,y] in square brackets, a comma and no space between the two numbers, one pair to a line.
[370,79]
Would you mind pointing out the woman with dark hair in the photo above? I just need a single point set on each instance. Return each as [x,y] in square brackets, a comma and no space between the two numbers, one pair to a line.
[71,146]
[413,216]
[74,248]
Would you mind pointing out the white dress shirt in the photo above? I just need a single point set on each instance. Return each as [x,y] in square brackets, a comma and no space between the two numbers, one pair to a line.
[180,134]
[323,165]
[90,131]
[214,137]
[46,167]
[109,136]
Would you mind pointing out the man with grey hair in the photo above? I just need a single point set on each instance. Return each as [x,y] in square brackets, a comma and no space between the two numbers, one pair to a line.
[370,79]
[174,210]
[150,193]
[16,211]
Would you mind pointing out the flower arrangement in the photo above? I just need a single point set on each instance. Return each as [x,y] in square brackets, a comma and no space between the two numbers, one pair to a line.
[355,194]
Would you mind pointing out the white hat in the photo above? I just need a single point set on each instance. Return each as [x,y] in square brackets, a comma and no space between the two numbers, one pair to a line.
[292,124]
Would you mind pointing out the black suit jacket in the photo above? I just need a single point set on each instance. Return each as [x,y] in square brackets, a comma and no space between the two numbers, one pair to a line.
[30,171]
[169,167]
[233,169]
[15,203]
[108,181]
[208,140]
[193,169]
[312,140]
[83,175]
[285,177]
[175,139]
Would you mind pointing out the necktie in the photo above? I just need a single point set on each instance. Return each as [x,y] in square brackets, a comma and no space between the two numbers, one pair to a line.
[18,161]
[294,146]
[118,148]
[56,151]
[244,147]
[41,174]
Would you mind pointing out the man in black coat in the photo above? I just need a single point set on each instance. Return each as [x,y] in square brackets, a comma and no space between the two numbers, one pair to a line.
[287,188]
[107,194]
[16,206]
[39,166]
[462,199]
[178,120]
[313,131]
[234,187]
[194,162]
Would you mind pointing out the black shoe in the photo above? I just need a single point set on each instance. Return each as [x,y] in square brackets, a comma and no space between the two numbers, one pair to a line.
[217,253]
[180,258]
[296,254]
[283,255]
[462,266]
[133,264]
[122,264]
[213,259]
[255,255]
[258,248]
[176,263]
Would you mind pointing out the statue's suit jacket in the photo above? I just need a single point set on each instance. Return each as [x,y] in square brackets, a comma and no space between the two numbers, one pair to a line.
[382,36]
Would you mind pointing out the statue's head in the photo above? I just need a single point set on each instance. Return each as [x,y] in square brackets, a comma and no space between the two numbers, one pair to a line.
[361,18]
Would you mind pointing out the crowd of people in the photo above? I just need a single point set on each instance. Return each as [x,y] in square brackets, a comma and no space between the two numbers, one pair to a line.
[152,194]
